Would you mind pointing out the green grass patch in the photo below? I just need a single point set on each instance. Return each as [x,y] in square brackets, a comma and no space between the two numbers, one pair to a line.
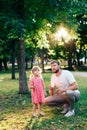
[16,109]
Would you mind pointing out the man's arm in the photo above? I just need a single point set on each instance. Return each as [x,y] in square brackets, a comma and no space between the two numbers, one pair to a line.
[73,86]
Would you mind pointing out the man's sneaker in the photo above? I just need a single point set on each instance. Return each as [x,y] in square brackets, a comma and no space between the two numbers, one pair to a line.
[70,113]
[64,110]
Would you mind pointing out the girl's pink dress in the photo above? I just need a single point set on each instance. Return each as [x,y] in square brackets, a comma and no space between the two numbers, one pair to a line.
[37,92]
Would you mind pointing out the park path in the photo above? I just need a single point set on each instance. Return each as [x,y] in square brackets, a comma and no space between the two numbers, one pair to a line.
[83,74]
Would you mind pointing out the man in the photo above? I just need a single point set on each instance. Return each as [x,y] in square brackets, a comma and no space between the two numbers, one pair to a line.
[63,89]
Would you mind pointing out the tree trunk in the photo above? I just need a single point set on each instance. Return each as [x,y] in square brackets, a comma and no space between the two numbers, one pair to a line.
[71,47]
[42,59]
[26,61]
[13,60]
[85,56]
[31,62]
[0,64]
[23,87]
[70,61]
[78,58]
[5,63]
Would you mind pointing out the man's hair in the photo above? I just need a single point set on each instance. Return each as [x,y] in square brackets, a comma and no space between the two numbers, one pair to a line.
[55,61]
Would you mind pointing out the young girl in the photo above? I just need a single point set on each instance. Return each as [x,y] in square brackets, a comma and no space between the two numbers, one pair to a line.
[37,90]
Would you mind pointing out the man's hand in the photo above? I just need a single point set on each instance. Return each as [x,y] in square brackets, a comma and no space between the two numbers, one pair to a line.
[51,91]
[61,90]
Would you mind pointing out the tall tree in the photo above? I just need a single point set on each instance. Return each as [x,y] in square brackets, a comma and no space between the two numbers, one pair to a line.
[14,10]
[23,87]
[82,30]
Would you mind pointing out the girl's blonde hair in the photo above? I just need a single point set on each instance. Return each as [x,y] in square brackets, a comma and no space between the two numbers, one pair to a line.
[34,69]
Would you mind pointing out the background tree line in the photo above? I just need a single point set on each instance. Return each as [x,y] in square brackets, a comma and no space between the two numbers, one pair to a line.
[28,30]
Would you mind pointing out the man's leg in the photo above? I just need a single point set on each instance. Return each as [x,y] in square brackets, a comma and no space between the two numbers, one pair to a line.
[56,100]
[72,98]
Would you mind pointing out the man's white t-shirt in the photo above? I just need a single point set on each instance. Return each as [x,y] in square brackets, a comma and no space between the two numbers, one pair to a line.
[64,80]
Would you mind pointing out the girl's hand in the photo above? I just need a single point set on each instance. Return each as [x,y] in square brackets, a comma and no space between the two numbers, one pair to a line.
[32,87]
[45,93]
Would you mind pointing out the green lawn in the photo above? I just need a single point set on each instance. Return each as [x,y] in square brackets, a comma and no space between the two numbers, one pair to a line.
[16,110]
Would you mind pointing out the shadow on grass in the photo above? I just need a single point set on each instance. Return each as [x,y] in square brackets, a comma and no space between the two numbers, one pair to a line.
[9,103]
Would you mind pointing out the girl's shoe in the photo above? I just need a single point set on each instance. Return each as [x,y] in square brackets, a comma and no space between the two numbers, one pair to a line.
[42,114]
[35,115]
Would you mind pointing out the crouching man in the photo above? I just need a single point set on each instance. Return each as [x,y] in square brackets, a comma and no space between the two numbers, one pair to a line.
[63,90]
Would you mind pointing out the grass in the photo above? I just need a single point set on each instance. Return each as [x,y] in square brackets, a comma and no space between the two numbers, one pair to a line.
[16,109]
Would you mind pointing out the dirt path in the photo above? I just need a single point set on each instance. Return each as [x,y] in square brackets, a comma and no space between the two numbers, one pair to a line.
[84,74]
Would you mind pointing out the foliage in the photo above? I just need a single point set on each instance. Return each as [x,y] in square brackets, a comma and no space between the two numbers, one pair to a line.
[38,19]
[10,27]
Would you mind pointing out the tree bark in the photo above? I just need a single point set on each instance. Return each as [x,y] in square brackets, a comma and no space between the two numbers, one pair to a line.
[42,59]
[23,87]
[70,46]
[70,61]
[13,60]
[0,64]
